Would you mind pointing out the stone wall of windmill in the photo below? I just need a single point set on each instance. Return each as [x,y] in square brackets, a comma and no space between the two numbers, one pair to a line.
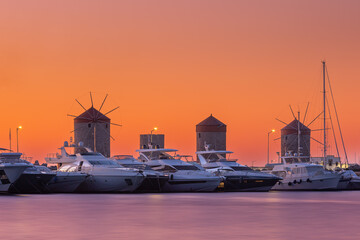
[289,139]
[212,132]
[92,127]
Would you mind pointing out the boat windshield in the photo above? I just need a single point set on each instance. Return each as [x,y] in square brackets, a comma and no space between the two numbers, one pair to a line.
[68,168]
[137,166]
[103,162]
[186,167]
[159,155]
[241,168]
[163,168]
[314,168]
[216,157]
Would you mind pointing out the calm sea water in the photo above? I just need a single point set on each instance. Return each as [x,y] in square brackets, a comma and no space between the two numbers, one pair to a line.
[274,215]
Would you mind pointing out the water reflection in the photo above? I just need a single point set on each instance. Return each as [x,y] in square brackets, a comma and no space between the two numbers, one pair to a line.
[275,215]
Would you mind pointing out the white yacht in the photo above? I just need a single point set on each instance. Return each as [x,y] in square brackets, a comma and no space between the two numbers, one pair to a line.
[32,180]
[183,176]
[65,181]
[299,174]
[154,180]
[237,177]
[9,172]
[104,175]
[348,180]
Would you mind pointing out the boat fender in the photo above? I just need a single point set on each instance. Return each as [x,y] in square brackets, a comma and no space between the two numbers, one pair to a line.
[300,181]
[289,183]
[308,180]
[171,177]
[279,182]
[295,182]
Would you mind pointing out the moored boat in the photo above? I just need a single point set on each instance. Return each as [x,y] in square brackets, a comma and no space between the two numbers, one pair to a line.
[104,175]
[237,177]
[183,176]
[154,181]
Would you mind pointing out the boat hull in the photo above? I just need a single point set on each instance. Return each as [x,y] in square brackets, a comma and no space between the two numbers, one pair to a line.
[354,185]
[8,175]
[343,184]
[152,183]
[32,183]
[110,183]
[179,184]
[66,184]
[317,184]
[243,184]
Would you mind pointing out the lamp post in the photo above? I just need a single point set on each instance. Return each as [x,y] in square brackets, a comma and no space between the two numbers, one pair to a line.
[17,138]
[268,144]
[151,134]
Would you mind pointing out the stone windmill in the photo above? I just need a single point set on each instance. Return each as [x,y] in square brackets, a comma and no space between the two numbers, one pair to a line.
[92,128]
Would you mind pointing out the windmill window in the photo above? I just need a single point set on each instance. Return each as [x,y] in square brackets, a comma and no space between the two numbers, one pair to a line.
[89,125]
[106,126]
[199,135]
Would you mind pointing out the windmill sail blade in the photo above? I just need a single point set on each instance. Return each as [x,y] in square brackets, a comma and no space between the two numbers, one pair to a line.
[281,121]
[102,104]
[317,141]
[307,107]
[80,104]
[110,111]
[314,119]
[286,123]
[77,129]
[116,124]
[292,112]
[92,103]
[79,117]
[320,129]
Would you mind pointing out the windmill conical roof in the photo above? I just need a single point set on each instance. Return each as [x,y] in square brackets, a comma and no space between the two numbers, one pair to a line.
[211,124]
[292,128]
[91,115]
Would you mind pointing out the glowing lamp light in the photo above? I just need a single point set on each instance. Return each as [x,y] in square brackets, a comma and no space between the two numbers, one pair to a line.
[17,138]
[155,128]
[268,143]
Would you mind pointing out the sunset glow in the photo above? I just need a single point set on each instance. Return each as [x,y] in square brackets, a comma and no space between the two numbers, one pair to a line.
[171,64]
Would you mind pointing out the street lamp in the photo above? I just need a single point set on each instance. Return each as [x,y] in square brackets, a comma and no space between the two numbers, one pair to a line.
[17,138]
[268,144]
[151,134]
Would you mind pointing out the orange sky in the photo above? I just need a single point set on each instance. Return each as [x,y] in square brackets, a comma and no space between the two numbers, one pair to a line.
[171,63]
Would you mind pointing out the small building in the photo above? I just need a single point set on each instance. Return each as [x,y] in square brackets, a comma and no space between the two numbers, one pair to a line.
[93,129]
[211,132]
[331,162]
[153,140]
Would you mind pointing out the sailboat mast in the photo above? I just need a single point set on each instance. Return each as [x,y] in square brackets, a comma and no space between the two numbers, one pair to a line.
[299,135]
[324,110]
